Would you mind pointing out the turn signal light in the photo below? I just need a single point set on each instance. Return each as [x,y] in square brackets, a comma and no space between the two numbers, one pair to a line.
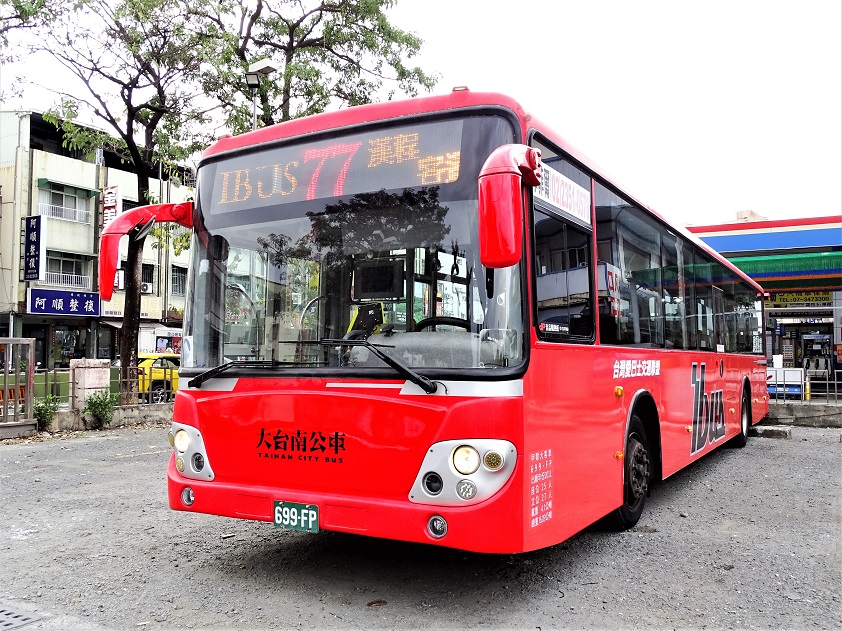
[493,460]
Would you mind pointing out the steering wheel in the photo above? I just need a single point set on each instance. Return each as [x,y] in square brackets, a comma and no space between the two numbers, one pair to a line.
[436,320]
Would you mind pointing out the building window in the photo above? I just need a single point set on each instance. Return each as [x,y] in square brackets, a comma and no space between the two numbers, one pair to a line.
[147,273]
[179,280]
[64,202]
[67,270]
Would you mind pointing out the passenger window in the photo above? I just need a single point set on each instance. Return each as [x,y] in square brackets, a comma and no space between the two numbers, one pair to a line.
[563,280]
[629,270]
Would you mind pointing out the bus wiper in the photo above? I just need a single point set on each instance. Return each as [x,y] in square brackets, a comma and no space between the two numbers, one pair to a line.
[422,382]
[198,380]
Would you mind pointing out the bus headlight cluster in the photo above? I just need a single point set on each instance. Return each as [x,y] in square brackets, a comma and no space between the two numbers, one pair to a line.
[463,472]
[191,458]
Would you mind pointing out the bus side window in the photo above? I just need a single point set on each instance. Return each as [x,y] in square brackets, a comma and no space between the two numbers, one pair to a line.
[630,244]
[563,279]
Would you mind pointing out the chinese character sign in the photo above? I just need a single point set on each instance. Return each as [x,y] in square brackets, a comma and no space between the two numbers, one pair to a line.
[69,303]
[112,203]
[34,248]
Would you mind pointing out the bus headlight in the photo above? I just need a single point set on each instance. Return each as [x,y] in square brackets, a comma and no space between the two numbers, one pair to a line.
[465,459]
[181,441]
[463,472]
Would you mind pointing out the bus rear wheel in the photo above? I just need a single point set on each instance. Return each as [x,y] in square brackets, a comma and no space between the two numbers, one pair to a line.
[741,439]
[636,476]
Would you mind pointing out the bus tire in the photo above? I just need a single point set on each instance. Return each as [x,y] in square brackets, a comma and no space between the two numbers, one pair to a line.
[741,439]
[637,476]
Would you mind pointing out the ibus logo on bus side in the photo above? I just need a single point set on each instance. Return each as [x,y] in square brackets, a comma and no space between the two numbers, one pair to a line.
[708,412]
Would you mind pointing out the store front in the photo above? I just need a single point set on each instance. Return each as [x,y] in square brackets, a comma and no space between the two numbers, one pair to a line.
[803,328]
[63,324]
[799,262]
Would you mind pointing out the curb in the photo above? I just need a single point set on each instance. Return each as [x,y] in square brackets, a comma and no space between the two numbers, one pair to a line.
[771,431]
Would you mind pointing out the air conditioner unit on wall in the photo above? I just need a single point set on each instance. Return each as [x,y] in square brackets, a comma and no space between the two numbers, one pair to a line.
[146,288]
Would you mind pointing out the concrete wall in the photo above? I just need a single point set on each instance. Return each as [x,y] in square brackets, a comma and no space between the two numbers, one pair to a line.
[123,416]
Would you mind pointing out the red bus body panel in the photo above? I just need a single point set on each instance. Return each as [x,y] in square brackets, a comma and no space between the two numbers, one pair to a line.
[362,488]
[569,438]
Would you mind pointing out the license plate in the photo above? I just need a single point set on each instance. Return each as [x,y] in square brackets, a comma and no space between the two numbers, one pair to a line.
[295,516]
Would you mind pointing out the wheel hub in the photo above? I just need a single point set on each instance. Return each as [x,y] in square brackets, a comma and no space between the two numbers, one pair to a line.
[638,471]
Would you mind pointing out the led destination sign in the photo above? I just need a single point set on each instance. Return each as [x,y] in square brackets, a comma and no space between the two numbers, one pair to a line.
[419,155]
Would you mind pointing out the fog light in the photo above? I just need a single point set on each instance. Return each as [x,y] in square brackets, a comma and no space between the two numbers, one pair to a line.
[437,526]
[179,464]
[433,483]
[466,459]
[198,462]
[181,440]
[187,496]
[493,460]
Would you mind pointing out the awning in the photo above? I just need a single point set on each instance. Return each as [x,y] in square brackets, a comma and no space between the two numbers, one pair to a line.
[144,326]
[794,272]
[44,182]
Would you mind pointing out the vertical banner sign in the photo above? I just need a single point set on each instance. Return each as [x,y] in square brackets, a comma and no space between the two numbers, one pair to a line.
[34,248]
[112,204]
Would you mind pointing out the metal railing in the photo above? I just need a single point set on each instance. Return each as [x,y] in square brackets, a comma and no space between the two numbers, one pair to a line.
[66,280]
[62,212]
[17,395]
[797,384]
[17,356]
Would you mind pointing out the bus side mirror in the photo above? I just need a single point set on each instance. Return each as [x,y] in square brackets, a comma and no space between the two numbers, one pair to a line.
[136,219]
[501,213]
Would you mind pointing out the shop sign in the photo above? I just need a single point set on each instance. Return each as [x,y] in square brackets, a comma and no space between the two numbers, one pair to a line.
[786,300]
[34,248]
[112,203]
[67,303]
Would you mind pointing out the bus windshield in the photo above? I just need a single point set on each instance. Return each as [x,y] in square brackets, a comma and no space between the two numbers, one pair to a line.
[371,235]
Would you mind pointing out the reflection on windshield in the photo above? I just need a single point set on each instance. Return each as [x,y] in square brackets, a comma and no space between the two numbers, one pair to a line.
[400,270]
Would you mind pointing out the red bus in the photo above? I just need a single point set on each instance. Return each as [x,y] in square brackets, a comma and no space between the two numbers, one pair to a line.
[435,321]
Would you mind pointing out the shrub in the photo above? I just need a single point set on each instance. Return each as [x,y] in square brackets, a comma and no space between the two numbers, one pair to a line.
[100,405]
[44,410]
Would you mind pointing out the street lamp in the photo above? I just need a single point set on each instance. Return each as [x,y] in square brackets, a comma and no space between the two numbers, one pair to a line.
[256,70]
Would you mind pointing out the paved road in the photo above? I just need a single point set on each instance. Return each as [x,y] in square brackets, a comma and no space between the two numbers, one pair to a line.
[746,538]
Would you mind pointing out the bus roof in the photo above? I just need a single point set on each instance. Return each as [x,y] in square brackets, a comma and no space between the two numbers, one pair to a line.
[459,98]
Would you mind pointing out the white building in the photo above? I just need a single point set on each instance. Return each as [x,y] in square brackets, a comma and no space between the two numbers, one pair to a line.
[51,215]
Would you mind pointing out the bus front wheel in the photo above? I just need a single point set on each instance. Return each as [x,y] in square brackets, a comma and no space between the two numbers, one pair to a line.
[637,476]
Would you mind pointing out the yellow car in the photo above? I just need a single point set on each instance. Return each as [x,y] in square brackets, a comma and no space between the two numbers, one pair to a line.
[157,376]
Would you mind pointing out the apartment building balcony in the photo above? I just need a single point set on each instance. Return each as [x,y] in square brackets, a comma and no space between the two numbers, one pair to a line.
[71,281]
[67,214]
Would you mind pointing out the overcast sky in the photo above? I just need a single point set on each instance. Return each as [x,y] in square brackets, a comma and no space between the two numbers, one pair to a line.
[700,109]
